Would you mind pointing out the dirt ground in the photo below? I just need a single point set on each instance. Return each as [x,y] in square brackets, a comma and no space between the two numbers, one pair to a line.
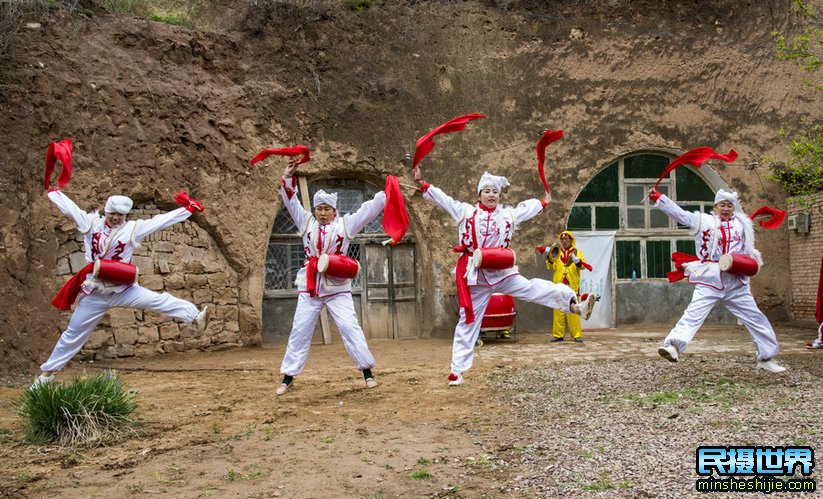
[212,426]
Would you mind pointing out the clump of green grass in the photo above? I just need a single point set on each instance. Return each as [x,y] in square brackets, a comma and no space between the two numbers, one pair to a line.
[420,475]
[237,476]
[90,410]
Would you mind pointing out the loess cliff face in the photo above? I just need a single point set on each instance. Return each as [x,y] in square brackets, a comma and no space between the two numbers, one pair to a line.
[154,109]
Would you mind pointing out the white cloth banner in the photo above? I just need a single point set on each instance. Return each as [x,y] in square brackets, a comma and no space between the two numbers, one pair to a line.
[597,247]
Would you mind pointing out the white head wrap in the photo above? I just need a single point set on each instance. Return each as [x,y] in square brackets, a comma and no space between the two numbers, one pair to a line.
[118,204]
[492,180]
[323,197]
[732,197]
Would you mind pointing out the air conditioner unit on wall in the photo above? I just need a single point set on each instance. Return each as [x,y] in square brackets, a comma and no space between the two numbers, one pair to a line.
[799,222]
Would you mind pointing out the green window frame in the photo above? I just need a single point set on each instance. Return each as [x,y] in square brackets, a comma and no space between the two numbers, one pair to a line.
[615,199]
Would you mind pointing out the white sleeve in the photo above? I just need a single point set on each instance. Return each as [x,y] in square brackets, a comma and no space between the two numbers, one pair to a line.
[143,228]
[456,209]
[291,200]
[83,219]
[527,209]
[672,210]
[368,211]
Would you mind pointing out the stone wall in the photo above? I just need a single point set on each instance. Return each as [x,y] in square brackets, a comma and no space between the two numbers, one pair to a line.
[183,261]
[805,252]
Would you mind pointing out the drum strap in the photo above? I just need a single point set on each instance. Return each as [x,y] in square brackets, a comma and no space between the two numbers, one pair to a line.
[110,239]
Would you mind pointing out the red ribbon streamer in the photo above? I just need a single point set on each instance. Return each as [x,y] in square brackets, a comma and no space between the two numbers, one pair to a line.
[679,260]
[68,293]
[59,151]
[775,215]
[395,216]
[283,151]
[311,275]
[426,143]
[182,198]
[547,138]
[696,157]
[464,295]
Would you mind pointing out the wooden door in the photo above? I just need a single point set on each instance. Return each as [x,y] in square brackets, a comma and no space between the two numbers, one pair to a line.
[390,292]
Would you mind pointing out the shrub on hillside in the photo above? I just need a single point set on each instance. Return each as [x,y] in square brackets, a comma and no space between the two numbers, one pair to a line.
[89,410]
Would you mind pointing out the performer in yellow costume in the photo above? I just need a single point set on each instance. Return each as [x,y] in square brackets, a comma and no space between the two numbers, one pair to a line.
[566,262]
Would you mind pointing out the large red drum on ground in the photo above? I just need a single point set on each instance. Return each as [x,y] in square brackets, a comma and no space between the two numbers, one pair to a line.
[499,313]
[738,263]
[340,266]
[115,272]
[494,258]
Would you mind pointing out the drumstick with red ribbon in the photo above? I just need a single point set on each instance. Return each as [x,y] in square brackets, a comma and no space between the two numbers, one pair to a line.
[696,157]
[297,150]
[425,144]
[775,217]
[59,151]
[546,138]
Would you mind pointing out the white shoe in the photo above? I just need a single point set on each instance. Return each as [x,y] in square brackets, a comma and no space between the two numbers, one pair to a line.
[455,379]
[668,352]
[282,389]
[371,383]
[816,344]
[587,306]
[771,365]
[202,319]
[41,380]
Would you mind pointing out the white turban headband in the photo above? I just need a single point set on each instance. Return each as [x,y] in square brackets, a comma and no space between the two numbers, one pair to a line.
[323,197]
[118,204]
[489,180]
[723,195]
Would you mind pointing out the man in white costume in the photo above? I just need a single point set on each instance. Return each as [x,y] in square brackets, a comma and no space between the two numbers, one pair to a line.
[111,237]
[487,224]
[726,230]
[323,232]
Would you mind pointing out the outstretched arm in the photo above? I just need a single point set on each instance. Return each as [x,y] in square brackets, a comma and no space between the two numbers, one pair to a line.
[431,193]
[158,222]
[368,211]
[672,210]
[71,210]
[529,208]
[289,191]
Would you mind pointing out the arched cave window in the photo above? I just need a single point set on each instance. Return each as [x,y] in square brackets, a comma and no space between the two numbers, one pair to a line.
[615,199]
[285,256]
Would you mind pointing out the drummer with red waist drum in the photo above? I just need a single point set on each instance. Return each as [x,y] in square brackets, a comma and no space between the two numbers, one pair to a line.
[108,280]
[728,234]
[485,232]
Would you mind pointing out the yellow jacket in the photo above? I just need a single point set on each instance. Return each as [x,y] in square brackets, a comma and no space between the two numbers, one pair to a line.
[565,270]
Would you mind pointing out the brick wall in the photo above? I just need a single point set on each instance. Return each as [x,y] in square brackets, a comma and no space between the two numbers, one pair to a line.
[183,261]
[806,251]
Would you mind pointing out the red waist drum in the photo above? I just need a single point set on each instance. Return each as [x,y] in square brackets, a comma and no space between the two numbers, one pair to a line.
[738,263]
[115,272]
[494,258]
[340,266]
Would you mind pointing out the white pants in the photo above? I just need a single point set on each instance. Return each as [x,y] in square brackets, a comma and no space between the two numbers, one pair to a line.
[557,296]
[341,308]
[737,297]
[91,308]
